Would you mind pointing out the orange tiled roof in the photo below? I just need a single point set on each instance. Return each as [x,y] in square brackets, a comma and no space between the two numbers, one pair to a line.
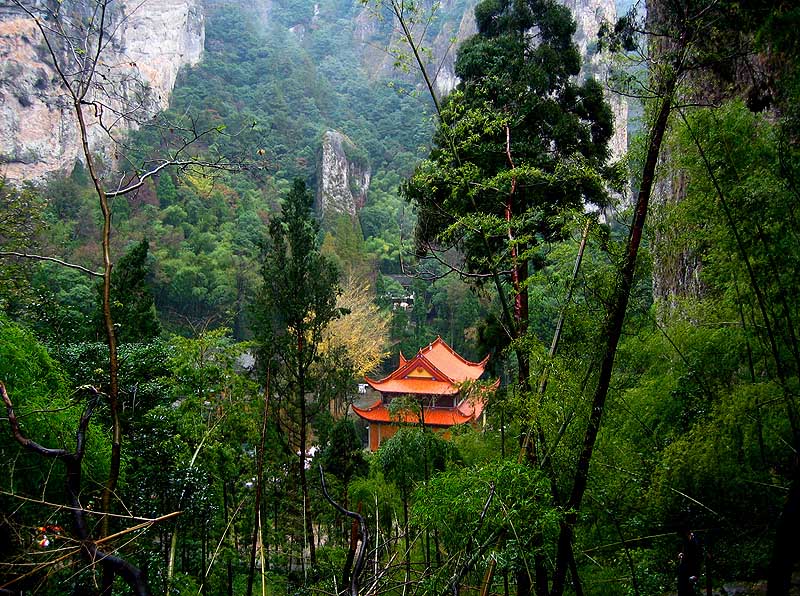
[450,363]
[435,370]
[473,406]
[378,412]
[412,386]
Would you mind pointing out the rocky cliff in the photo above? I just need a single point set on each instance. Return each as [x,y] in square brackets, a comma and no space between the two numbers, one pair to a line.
[589,16]
[343,177]
[677,267]
[438,30]
[453,21]
[147,44]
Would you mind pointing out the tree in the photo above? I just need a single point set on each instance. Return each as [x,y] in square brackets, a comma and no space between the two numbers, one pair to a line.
[133,310]
[20,219]
[682,39]
[295,305]
[741,193]
[399,460]
[42,407]
[520,147]
[519,144]
[111,98]
[362,331]
[343,457]
[474,508]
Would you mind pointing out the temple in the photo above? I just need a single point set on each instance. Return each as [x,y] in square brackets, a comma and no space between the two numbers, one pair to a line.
[434,378]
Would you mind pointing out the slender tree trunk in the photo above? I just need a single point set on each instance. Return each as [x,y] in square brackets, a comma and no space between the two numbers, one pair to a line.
[173,549]
[351,551]
[204,556]
[111,340]
[612,332]
[407,543]
[562,315]
[786,548]
[523,581]
[576,579]
[225,518]
[308,528]
[541,581]
[259,489]
[486,584]
[263,559]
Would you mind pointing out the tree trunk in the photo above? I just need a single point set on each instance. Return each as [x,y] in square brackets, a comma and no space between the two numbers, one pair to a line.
[111,340]
[351,551]
[612,332]
[786,548]
[407,543]
[308,528]
[259,490]
[523,582]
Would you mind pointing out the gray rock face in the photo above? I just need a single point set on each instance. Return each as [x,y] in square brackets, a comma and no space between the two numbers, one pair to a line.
[446,42]
[342,178]
[149,43]
[457,23]
[454,21]
[676,267]
[589,15]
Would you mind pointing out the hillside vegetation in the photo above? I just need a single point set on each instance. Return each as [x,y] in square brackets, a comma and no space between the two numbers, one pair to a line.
[180,345]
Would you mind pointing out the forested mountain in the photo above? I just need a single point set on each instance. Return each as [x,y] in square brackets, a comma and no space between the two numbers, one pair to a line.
[218,218]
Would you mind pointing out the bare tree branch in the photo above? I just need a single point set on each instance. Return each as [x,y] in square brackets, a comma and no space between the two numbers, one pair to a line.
[24,255]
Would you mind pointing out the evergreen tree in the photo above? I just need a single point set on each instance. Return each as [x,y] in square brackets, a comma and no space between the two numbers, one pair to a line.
[166,191]
[520,143]
[293,308]
[133,307]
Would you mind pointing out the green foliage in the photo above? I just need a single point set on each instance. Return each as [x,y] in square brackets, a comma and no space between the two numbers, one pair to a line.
[29,373]
[166,192]
[48,413]
[132,306]
[62,305]
[39,389]
[469,506]
[704,409]
[380,501]
[520,147]
[273,93]
[21,218]
[300,286]
[696,430]
[292,89]
[400,457]
[343,456]
[192,451]
[296,303]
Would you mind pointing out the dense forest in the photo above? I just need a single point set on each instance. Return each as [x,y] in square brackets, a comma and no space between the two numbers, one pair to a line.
[183,329]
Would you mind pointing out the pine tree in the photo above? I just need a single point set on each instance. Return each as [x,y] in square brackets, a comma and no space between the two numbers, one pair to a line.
[520,144]
[133,307]
[293,308]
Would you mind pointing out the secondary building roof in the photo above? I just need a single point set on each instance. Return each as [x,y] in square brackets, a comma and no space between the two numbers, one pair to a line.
[435,370]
